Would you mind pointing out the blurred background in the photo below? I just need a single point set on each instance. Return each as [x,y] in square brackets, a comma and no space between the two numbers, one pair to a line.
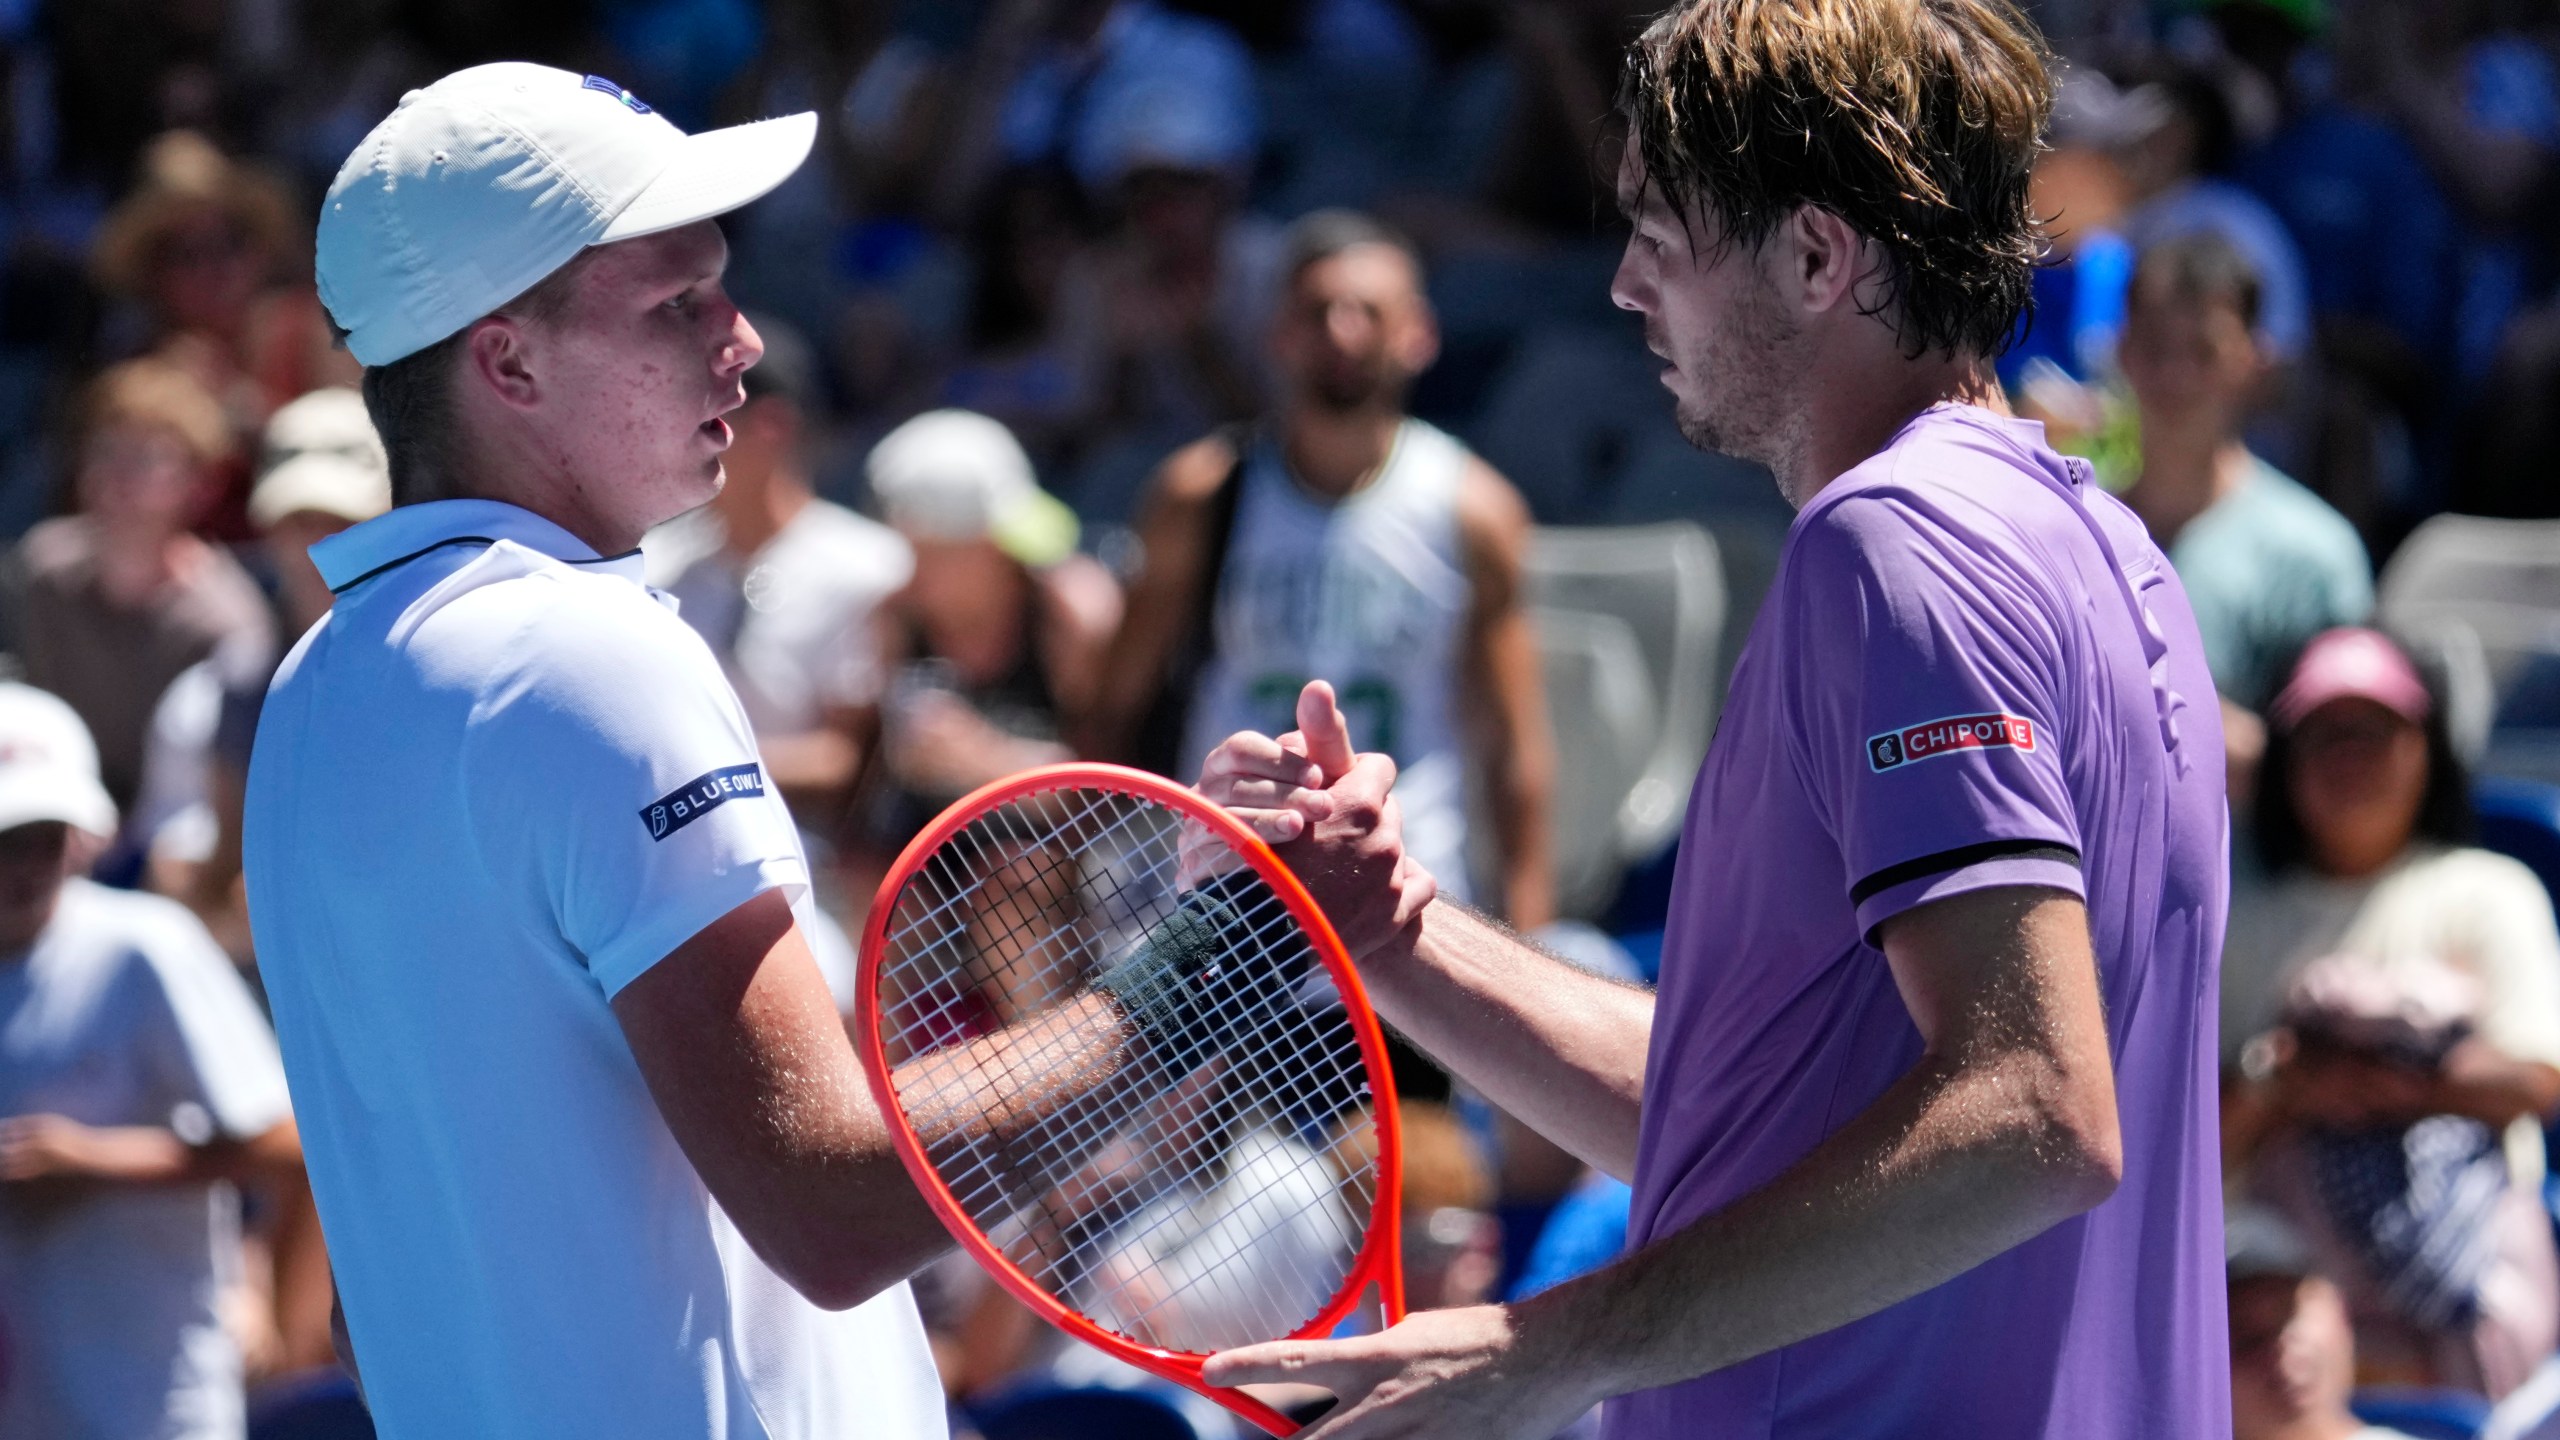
[1038,284]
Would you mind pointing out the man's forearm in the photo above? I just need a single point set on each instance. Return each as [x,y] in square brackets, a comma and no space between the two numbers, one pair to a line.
[1561,1049]
[1946,1170]
[2485,1084]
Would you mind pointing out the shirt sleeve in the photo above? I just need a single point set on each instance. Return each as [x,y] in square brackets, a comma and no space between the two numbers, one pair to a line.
[215,1058]
[616,775]
[1930,695]
[2516,949]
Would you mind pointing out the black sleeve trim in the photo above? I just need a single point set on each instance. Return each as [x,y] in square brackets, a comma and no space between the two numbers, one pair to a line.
[1957,859]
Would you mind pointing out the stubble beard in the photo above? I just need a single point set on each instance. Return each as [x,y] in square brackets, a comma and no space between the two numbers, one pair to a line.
[1745,387]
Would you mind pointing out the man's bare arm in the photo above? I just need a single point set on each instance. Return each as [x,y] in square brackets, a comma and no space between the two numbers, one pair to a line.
[1562,1050]
[1508,709]
[2006,1126]
[1559,1048]
[1173,537]
[744,1053]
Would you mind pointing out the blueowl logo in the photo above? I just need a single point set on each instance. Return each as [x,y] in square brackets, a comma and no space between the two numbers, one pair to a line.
[682,806]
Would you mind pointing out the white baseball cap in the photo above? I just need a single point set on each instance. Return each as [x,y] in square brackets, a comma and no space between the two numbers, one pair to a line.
[48,764]
[321,454]
[960,475]
[322,482]
[478,186]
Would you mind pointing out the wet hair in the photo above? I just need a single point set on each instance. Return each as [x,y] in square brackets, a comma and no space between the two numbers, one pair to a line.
[1916,121]
[411,399]
[2202,268]
[1323,234]
[2444,811]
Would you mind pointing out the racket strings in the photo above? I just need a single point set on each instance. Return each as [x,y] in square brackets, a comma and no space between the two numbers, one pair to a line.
[1190,1206]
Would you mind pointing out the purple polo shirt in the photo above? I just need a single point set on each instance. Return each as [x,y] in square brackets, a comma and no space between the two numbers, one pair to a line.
[1952,687]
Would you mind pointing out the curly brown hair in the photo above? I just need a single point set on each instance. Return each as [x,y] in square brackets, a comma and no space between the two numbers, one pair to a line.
[1916,121]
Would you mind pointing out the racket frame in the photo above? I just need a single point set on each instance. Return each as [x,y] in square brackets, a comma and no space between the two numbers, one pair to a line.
[1380,1261]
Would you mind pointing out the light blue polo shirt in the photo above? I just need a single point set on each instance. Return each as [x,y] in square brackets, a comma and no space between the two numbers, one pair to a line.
[496,783]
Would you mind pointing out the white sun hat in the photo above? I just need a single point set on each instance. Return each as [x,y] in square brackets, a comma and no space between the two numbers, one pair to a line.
[320,453]
[478,186]
[48,764]
[959,475]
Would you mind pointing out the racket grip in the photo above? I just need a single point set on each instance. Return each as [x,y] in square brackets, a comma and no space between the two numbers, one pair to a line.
[1203,972]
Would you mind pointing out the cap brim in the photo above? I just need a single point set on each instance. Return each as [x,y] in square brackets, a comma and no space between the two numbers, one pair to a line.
[39,792]
[714,173]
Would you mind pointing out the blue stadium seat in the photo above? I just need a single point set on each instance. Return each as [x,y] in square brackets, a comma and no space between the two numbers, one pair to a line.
[2424,1413]
[323,1405]
[1096,1412]
[2521,818]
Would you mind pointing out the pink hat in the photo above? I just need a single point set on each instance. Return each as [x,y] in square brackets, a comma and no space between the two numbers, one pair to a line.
[2351,663]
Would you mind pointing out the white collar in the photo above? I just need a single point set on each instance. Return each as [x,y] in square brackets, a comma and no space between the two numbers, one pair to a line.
[361,552]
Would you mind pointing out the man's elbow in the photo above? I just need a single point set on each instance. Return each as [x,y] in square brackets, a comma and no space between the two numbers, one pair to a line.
[840,1281]
[2080,1155]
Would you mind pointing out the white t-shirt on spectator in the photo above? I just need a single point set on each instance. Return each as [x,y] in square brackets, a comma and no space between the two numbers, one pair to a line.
[793,626]
[2481,913]
[125,1012]
[501,782]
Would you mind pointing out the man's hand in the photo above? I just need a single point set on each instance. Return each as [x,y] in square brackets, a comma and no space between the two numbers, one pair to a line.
[1328,814]
[1461,1374]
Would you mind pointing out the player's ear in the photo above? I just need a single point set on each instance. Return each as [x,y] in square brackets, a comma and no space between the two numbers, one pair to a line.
[1824,256]
[497,355]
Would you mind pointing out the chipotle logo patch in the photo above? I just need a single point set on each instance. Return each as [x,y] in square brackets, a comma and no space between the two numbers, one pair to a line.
[1933,738]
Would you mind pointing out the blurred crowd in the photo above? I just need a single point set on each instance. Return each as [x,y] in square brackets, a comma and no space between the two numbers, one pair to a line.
[1131,362]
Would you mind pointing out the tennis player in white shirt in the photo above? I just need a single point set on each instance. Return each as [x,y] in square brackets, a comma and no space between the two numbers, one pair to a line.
[591,1149]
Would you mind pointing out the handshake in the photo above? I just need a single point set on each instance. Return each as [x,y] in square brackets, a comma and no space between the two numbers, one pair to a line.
[1330,815]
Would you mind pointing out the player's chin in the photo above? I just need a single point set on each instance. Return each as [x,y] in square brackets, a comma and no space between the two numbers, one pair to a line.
[1699,426]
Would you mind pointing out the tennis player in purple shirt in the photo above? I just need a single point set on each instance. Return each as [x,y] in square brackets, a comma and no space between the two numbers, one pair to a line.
[1921,1122]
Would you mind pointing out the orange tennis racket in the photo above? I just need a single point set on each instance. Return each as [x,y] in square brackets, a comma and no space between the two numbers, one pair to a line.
[1129,1064]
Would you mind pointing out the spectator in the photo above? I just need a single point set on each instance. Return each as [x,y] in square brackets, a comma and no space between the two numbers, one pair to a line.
[2174,166]
[2408,989]
[997,638]
[1184,290]
[1046,83]
[2293,1355]
[1027,362]
[2267,564]
[785,588]
[1350,542]
[203,247]
[2482,105]
[322,469]
[137,1080]
[120,598]
[2379,242]
[2081,191]
[2126,169]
